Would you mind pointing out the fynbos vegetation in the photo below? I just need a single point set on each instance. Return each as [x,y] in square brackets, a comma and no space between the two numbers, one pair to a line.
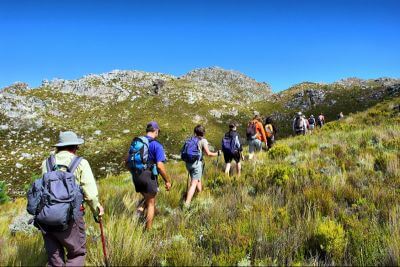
[327,198]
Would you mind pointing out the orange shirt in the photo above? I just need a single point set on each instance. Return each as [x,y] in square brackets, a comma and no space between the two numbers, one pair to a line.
[260,131]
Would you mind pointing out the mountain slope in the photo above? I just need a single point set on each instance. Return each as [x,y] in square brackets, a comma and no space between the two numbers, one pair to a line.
[331,198]
[108,110]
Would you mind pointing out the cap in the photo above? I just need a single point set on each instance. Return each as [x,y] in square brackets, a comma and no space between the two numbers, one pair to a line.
[153,125]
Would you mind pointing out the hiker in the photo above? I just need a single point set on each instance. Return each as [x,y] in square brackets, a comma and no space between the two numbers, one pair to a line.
[192,153]
[307,123]
[321,120]
[145,160]
[232,148]
[270,131]
[340,116]
[68,182]
[299,124]
[311,122]
[255,136]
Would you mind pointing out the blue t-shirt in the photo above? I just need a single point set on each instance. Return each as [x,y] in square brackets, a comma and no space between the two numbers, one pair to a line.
[156,151]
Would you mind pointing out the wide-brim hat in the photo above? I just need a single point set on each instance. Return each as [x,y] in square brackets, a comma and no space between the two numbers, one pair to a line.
[68,138]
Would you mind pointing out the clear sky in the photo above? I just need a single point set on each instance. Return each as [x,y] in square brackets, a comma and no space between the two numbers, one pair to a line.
[280,42]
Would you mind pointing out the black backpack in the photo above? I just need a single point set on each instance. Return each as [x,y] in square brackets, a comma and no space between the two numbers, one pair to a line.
[298,125]
[251,130]
[311,121]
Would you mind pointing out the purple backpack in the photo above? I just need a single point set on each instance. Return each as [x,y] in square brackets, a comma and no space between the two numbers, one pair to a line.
[190,152]
[55,199]
[229,143]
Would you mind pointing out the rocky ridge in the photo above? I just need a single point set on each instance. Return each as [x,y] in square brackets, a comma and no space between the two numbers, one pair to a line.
[108,109]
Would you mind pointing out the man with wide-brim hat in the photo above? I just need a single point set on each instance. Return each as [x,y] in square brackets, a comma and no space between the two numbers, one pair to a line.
[74,238]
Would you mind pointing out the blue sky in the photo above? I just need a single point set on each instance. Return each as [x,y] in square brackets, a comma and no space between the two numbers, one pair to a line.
[279,42]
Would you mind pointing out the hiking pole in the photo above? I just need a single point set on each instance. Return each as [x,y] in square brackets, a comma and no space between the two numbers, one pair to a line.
[103,241]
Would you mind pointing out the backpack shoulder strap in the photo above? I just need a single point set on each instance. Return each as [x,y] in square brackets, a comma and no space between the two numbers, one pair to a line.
[50,163]
[74,164]
[145,140]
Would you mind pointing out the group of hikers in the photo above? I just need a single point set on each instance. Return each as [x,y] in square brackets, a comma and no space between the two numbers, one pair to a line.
[302,126]
[56,199]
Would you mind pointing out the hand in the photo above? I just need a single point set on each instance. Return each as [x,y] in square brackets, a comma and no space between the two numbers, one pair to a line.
[168,186]
[100,213]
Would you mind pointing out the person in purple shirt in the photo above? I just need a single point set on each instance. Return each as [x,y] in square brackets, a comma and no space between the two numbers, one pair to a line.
[146,182]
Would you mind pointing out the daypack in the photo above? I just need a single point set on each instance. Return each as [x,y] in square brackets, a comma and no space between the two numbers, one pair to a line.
[298,124]
[311,121]
[138,154]
[229,143]
[55,199]
[251,131]
[190,152]
[269,130]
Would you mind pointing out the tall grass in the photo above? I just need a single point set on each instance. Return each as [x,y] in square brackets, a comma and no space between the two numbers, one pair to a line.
[328,198]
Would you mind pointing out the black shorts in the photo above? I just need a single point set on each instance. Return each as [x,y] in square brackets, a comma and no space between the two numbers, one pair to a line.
[145,182]
[229,157]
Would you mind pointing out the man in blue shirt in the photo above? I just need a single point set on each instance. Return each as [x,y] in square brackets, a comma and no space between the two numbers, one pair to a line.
[146,182]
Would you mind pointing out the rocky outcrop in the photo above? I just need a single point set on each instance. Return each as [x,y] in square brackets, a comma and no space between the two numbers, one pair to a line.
[227,83]
[115,85]
[21,111]
[306,99]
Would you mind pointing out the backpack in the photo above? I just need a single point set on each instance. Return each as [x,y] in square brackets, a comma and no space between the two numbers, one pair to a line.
[229,143]
[269,130]
[55,199]
[298,124]
[138,154]
[251,131]
[190,152]
[311,121]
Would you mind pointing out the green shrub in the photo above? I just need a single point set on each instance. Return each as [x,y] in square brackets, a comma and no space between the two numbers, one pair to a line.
[330,238]
[279,151]
[281,174]
[3,193]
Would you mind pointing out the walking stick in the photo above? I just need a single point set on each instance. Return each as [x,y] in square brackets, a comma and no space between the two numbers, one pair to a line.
[103,241]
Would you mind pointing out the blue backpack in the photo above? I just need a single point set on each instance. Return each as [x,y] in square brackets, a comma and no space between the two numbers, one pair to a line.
[229,143]
[55,199]
[190,152]
[139,154]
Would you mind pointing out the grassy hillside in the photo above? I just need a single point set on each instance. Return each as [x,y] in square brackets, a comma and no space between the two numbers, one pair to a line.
[108,111]
[328,198]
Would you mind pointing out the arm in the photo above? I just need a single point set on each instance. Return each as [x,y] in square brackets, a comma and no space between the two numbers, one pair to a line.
[209,153]
[160,158]
[163,172]
[89,187]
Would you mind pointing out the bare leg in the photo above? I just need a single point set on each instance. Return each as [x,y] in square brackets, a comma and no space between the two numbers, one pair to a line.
[227,169]
[141,204]
[150,206]
[191,191]
[238,168]
[199,186]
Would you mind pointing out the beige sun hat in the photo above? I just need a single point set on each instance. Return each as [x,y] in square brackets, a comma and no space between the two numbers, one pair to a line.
[68,138]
